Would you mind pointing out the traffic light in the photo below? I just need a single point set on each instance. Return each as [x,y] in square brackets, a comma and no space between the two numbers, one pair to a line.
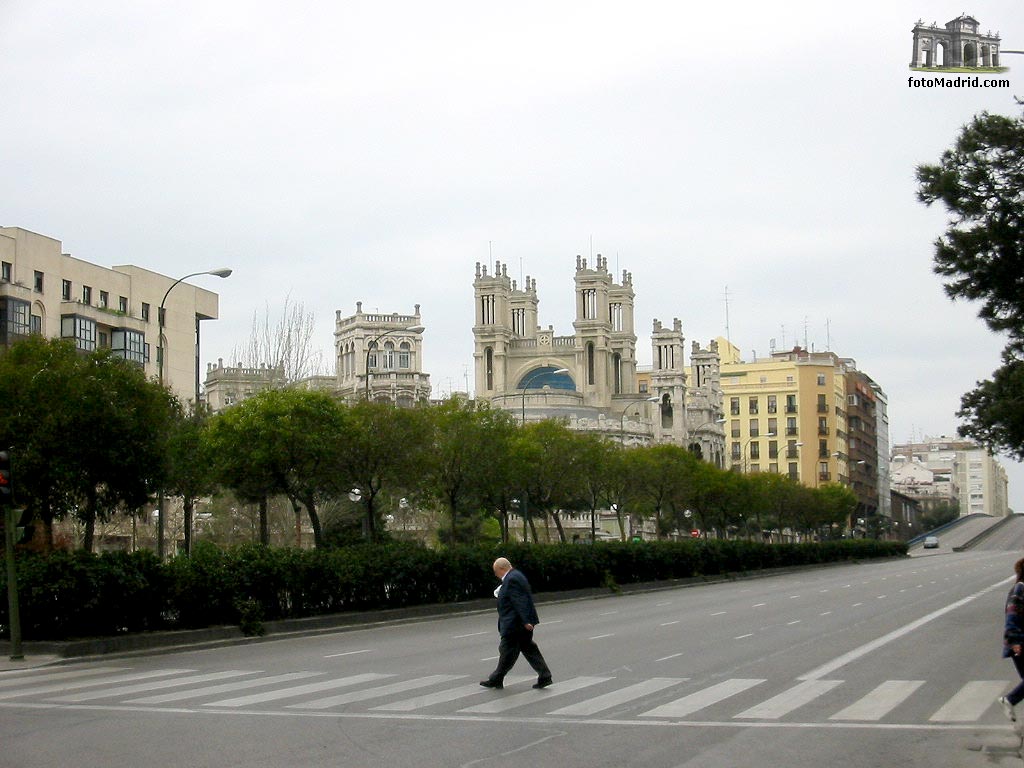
[6,488]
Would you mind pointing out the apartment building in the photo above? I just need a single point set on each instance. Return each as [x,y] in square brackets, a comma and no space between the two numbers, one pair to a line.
[44,290]
[944,470]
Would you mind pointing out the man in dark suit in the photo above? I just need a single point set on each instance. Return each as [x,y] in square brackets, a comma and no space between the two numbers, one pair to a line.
[517,617]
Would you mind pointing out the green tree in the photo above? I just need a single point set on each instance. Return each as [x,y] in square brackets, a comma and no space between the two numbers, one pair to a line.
[471,441]
[661,472]
[190,466]
[384,446]
[980,180]
[552,478]
[88,431]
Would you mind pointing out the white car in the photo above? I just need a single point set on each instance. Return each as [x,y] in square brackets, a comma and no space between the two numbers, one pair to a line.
[931,542]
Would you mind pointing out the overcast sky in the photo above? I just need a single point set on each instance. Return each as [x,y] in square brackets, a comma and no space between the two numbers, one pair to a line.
[376,151]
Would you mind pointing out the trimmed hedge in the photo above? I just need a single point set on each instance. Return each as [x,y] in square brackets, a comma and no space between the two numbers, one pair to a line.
[68,595]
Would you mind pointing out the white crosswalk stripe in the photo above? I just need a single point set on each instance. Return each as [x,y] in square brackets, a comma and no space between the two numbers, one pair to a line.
[153,685]
[505,703]
[787,701]
[112,680]
[375,693]
[880,702]
[970,702]
[621,696]
[216,690]
[701,699]
[297,690]
[443,697]
[45,677]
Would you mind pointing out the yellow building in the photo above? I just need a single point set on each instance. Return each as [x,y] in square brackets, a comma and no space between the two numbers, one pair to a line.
[786,414]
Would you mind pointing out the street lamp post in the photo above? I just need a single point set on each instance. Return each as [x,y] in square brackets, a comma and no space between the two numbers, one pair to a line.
[720,420]
[378,337]
[526,386]
[161,354]
[622,418]
[746,463]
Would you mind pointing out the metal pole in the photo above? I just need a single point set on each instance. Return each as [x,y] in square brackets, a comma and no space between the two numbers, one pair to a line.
[12,587]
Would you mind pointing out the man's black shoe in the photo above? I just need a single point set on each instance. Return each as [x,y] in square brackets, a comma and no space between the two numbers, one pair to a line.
[543,683]
[492,684]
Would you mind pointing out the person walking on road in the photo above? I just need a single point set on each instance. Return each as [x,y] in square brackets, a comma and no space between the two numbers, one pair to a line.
[1013,640]
[517,618]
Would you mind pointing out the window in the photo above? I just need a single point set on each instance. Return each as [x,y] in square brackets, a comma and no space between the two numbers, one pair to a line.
[371,355]
[773,426]
[131,345]
[489,367]
[791,429]
[145,311]
[6,270]
[773,450]
[389,355]
[81,329]
[405,355]
[617,373]
[35,324]
[14,318]
[822,405]
[734,428]
[643,388]
[735,451]
[755,451]
[755,428]
[487,309]
[734,406]
[590,362]
[822,425]
[87,294]
[589,304]
[122,304]
[38,281]
[773,404]
[65,290]
[821,379]
[104,299]
[752,405]
[790,403]
[615,313]
[519,321]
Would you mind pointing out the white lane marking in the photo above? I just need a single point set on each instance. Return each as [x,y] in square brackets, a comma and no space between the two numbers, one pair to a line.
[601,637]
[666,658]
[826,613]
[608,613]
[970,702]
[687,705]
[720,613]
[759,605]
[214,690]
[660,605]
[880,702]
[864,650]
[365,650]
[49,676]
[797,696]
[791,623]
[794,597]
[669,623]
[460,637]
[452,694]
[57,688]
[621,696]
[153,685]
[530,697]
[297,690]
[373,693]
[743,637]
[857,605]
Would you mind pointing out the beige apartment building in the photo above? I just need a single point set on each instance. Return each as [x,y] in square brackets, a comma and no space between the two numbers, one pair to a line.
[945,470]
[44,290]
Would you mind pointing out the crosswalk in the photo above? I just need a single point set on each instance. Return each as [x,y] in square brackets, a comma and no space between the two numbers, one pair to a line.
[603,697]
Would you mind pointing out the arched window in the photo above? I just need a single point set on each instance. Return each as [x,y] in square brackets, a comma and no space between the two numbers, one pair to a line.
[666,411]
[371,356]
[405,355]
[590,362]
[389,356]
[617,372]
[489,367]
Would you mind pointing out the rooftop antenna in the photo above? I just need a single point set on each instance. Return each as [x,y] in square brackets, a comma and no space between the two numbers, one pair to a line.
[728,337]
[783,335]
[805,333]
[828,335]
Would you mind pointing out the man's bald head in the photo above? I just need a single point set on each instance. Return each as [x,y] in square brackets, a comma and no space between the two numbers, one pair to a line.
[501,567]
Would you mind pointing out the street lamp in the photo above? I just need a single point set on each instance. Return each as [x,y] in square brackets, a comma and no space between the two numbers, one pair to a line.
[161,354]
[378,337]
[696,447]
[746,445]
[534,375]
[622,418]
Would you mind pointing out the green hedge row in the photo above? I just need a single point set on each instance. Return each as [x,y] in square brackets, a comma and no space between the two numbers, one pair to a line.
[68,595]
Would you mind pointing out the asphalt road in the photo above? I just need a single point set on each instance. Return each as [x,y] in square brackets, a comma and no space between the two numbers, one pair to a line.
[860,665]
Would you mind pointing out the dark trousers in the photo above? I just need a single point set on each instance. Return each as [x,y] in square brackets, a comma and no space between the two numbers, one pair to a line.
[1017,694]
[511,645]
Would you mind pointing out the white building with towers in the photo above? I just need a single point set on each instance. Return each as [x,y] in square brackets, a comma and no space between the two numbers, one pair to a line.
[590,378]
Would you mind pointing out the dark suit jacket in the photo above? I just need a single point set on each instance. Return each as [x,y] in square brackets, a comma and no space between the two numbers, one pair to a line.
[515,604]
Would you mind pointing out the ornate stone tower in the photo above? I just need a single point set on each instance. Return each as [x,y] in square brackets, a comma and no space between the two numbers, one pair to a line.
[668,383]
[705,418]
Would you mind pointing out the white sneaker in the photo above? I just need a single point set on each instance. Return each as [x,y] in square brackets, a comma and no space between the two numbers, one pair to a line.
[1008,709]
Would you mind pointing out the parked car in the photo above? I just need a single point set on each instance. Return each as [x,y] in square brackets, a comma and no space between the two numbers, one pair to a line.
[931,542]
